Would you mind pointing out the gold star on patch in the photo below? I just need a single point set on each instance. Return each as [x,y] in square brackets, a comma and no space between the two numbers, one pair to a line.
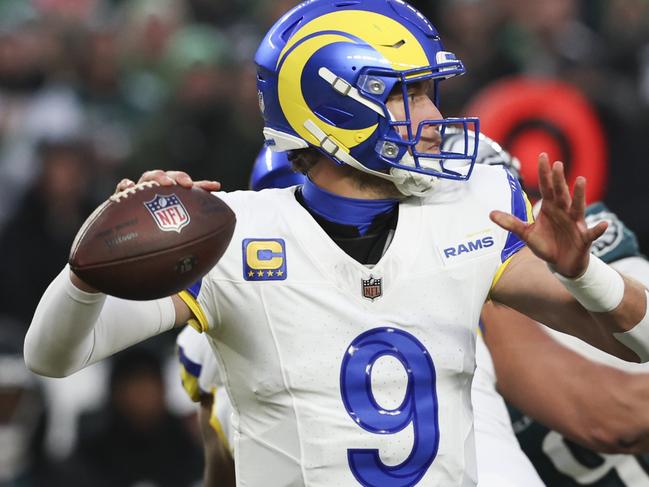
[260,273]
[270,273]
[280,273]
[251,273]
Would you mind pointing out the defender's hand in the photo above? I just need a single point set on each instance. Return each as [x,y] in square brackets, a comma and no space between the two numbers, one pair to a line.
[559,235]
[169,178]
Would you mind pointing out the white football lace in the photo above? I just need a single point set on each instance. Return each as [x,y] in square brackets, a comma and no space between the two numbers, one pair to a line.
[116,198]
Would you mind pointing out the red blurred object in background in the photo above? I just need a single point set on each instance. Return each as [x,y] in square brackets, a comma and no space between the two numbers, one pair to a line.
[528,116]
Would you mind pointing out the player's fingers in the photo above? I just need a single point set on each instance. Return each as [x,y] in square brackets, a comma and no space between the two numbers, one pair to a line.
[123,185]
[578,208]
[508,222]
[181,178]
[597,231]
[157,175]
[545,177]
[560,186]
[208,185]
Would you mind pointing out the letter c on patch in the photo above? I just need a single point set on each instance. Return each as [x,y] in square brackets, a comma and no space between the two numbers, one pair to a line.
[264,255]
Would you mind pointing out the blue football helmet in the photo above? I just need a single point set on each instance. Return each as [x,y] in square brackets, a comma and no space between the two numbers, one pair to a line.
[273,170]
[325,71]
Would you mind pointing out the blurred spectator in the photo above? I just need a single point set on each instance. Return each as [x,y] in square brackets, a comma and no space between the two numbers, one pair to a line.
[624,24]
[69,397]
[197,132]
[31,108]
[38,237]
[145,29]
[470,29]
[70,11]
[111,115]
[135,440]
[22,416]
[221,13]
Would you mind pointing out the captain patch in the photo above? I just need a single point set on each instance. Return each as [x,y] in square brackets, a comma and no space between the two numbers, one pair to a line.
[264,259]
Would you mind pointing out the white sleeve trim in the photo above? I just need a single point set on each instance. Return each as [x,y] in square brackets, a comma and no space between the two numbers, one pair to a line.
[637,338]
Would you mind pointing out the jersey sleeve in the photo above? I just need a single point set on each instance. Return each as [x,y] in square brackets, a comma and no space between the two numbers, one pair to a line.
[200,301]
[521,209]
[198,369]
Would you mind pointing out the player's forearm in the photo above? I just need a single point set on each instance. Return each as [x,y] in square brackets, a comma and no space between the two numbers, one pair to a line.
[604,310]
[631,433]
[589,405]
[597,406]
[59,337]
[72,328]
[611,415]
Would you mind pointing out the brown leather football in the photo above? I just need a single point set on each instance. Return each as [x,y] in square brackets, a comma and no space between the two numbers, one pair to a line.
[152,241]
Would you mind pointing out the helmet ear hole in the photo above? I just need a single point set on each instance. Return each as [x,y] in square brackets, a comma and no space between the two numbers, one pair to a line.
[286,35]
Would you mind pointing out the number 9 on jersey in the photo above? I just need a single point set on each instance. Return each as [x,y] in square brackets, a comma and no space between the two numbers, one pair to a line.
[419,406]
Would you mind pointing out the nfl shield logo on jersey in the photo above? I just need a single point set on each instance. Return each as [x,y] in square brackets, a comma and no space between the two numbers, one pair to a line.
[372,288]
[168,212]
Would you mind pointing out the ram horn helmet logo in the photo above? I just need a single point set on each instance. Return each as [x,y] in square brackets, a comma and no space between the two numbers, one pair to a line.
[168,212]
[372,288]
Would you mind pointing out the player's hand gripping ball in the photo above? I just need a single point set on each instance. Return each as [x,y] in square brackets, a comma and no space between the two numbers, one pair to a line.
[150,241]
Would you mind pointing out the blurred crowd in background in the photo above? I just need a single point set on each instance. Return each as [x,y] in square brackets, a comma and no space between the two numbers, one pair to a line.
[92,91]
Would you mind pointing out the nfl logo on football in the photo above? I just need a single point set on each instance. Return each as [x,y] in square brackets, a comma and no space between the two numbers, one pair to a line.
[168,212]
[372,288]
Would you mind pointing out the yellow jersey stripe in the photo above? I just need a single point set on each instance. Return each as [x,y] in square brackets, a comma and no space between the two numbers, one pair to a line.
[190,384]
[199,322]
[215,423]
[500,271]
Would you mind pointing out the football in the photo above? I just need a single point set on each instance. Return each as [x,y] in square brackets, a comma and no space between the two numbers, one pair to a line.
[152,241]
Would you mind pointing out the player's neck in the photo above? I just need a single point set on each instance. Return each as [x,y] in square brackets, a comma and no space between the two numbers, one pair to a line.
[355,212]
[351,183]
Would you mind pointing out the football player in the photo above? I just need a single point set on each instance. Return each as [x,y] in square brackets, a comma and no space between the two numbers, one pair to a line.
[203,384]
[199,370]
[344,314]
[598,407]
[593,419]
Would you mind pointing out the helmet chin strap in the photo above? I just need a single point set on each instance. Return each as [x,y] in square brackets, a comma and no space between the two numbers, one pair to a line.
[416,184]
[409,183]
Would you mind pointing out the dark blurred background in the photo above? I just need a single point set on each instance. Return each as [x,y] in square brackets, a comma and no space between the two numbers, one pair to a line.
[92,91]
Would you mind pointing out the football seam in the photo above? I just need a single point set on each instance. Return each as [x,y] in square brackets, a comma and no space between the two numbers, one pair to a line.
[153,254]
[86,226]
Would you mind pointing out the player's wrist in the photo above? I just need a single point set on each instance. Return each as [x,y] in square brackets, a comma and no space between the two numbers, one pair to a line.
[599,289]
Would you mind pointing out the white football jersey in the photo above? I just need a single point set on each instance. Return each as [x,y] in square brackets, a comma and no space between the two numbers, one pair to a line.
[198,368]
[501,462]
[200,376]
[341,374]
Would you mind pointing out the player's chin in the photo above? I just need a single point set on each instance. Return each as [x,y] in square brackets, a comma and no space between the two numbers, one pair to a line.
[378,187]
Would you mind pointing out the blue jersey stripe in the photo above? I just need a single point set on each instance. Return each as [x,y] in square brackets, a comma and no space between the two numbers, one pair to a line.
[195,288]
[481,327]
[519,210]
[191,367]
